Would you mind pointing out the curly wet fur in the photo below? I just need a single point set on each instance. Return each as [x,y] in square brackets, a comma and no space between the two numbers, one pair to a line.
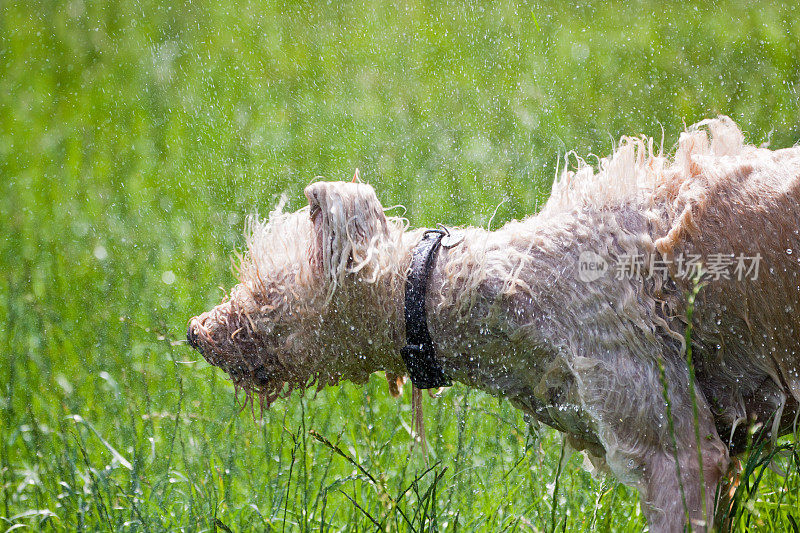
[320,299]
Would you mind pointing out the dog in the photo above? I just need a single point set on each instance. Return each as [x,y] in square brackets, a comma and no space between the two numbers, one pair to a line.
[650,310]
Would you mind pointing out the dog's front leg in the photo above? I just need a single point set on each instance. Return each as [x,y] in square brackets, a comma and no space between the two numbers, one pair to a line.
[651,446]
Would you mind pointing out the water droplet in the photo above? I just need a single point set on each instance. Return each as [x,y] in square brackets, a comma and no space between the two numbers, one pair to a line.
[168,277]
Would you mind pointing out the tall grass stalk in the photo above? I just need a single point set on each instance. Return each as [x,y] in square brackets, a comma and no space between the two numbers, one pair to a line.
[662,375]
[690,300]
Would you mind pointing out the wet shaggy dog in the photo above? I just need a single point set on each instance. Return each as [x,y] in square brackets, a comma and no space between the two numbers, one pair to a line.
[577,315]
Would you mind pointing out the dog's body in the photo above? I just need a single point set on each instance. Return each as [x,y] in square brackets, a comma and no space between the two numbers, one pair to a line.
[321,299]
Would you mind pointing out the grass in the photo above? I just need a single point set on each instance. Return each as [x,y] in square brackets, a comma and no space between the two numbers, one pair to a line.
[136,135]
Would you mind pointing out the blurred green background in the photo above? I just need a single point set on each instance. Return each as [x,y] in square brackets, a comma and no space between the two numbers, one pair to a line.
[135,136]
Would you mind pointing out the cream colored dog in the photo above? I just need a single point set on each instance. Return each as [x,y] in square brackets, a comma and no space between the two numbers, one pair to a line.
[577,315]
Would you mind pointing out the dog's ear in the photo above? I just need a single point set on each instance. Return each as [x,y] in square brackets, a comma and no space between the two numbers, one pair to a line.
[348,228]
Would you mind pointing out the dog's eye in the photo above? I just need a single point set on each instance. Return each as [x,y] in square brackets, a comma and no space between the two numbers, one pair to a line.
[315,209]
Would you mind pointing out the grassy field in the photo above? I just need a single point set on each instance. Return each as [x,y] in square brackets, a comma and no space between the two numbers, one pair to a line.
[136,135]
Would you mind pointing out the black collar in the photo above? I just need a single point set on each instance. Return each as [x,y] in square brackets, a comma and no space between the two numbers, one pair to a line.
[419,355]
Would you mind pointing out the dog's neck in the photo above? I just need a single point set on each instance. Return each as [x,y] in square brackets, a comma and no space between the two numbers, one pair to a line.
[465,304]
[482,313]
[448,313]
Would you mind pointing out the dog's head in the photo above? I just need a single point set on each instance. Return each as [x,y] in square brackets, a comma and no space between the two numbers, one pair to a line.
[313,285]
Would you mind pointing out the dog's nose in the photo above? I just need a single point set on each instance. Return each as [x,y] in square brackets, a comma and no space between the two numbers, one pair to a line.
[191,338]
